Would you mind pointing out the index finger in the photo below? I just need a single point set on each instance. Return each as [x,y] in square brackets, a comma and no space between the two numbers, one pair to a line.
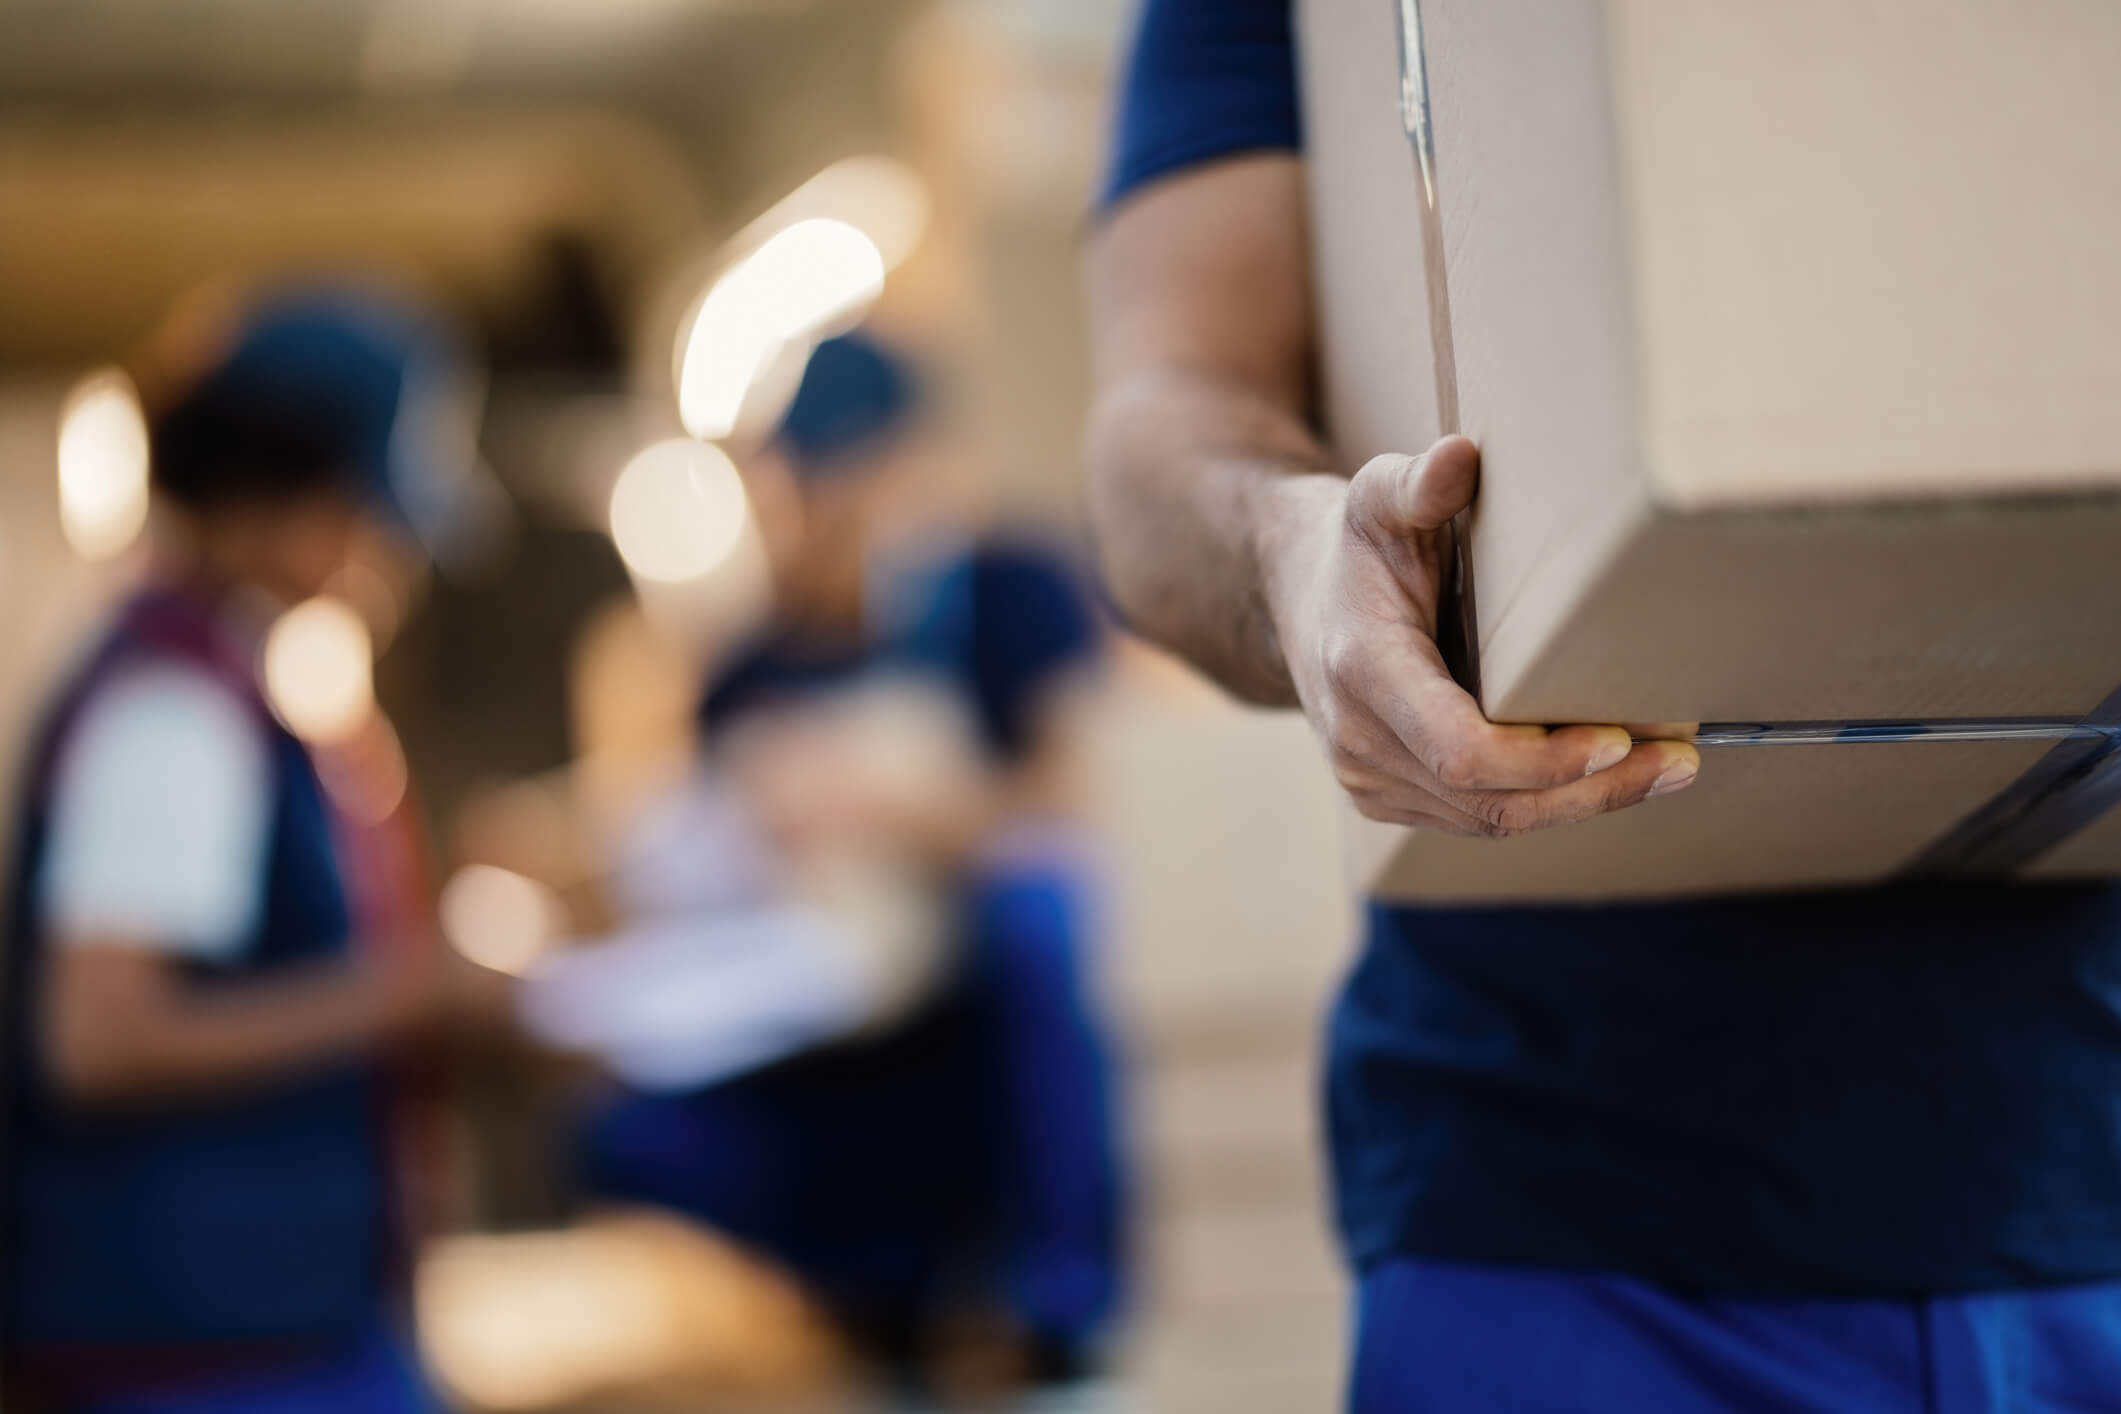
[1444,728]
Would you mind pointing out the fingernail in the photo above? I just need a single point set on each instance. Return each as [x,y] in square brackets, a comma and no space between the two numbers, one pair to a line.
[1677,777]
[1608,756]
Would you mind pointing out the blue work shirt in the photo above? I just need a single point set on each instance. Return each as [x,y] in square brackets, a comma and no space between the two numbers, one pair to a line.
[1000,624]
[1882,1092]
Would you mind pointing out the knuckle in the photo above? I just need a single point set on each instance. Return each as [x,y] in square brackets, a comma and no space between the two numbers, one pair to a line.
[1372,806]
[1456,767]
[1343,662]
[1519,815]
[1498,830]
[1347,744]
[1372,493]
[1352,778]
[1502,815]
[1350,768]
[1615,796]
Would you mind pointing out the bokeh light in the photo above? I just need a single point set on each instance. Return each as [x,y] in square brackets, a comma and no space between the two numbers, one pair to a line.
[632,1307]
[802,282]
[880,196]
[319,670]
[812,276]
[678,511]
[102,466]
[526,1321]
[499,918]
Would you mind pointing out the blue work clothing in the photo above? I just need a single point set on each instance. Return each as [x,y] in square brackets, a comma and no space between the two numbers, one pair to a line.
[254,1221]
[1852,1093]
[1439,1338]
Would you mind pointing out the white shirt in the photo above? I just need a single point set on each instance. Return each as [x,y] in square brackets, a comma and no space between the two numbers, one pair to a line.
[160,818]
[693,847]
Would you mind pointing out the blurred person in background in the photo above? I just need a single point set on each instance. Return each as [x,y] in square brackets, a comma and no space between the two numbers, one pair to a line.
[941,1126]
[203,1204]
[1841,1151]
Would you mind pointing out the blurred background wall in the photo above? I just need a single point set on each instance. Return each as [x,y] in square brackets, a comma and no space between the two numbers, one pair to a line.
[571,176]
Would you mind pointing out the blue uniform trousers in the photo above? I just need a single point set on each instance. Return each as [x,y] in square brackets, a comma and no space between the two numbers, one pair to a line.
[1442,1338]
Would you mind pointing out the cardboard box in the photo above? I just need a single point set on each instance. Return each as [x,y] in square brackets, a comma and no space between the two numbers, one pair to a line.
[1791,333]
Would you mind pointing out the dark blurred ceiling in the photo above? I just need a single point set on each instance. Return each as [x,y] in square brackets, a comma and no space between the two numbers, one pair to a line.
[541,161]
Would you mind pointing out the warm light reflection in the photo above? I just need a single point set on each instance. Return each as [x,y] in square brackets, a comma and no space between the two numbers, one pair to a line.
[678,511]
[538,1319]
[102,466]
[498,918]
[798,285]
[318,669]
[524,1321]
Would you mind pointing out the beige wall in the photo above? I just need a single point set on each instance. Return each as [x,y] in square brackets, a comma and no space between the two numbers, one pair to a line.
[49,596]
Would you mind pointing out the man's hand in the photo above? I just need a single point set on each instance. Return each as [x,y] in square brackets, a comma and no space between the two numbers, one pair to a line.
[435,988]
[1225,535]
[1355,572]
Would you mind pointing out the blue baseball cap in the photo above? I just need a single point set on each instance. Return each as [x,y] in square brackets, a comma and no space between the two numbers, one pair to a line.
[855,399]
[333,386]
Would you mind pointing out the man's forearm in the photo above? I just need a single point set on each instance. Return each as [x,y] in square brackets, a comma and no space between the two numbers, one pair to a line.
[130,1028]
[1199,488]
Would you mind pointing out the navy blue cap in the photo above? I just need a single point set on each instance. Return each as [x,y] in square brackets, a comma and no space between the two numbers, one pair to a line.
[317,389]
[855,398]
[1006,621]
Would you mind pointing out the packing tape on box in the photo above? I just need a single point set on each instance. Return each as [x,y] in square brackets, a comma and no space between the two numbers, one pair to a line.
[1458,635]
[2073,784]
[2077,781]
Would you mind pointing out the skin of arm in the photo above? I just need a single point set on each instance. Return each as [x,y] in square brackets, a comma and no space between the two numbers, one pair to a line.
[123,1023]
[1227,534]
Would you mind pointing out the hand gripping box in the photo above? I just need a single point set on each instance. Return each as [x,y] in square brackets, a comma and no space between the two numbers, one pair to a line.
[1791,333]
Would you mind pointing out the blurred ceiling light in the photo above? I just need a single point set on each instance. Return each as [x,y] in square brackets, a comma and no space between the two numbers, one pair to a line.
[319,666]
[801,283]
[102,466]
[678,511]
[498,918]
[879,196]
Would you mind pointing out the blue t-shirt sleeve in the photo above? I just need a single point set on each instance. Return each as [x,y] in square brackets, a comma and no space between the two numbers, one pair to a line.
[1205,79]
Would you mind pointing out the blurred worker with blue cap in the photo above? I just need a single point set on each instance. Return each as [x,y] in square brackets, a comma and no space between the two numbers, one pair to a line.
[201,1205]
[974,1136]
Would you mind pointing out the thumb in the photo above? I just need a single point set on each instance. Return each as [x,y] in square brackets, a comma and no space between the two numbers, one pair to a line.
[1394,496]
